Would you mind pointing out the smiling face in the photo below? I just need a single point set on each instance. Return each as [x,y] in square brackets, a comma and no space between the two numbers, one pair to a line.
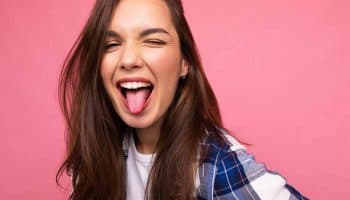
[142,63]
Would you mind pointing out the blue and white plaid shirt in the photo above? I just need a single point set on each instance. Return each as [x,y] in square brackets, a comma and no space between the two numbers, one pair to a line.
[229,173]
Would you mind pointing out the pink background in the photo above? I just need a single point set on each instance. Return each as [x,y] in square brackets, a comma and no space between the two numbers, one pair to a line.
[280,72]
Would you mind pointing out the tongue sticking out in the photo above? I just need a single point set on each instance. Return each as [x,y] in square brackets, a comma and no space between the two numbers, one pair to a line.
[136,99]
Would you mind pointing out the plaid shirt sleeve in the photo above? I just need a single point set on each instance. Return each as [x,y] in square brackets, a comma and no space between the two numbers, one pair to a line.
[229,173]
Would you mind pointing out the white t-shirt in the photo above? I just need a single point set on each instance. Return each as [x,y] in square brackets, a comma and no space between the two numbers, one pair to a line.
[138,168]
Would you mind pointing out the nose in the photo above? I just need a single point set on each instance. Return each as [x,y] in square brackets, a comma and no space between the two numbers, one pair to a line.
[130,57]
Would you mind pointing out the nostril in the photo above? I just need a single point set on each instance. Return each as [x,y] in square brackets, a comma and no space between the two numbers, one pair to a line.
[129,66]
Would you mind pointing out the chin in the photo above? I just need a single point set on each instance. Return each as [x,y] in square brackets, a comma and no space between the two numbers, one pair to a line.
[138,123]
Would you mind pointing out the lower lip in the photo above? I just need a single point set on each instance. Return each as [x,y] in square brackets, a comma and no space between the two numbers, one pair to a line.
[144,105]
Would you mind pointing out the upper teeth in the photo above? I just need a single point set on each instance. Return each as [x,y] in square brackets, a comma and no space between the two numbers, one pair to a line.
[134,85]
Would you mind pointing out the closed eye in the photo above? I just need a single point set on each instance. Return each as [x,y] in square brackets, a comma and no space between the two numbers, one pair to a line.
[155,42]
[109,46]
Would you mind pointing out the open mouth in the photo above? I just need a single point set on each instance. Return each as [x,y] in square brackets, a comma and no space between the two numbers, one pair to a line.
[135,95]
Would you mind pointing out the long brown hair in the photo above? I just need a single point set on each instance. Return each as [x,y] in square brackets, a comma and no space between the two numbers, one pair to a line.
[94,131]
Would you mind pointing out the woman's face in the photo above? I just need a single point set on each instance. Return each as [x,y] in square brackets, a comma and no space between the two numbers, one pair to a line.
[142,63]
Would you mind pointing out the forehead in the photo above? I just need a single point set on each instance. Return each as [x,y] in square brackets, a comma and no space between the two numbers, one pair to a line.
[140,14]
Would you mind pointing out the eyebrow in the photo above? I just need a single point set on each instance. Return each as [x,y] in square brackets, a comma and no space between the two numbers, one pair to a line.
[144,33]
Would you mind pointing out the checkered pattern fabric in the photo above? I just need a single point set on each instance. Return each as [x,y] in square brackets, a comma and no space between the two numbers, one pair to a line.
[229,173]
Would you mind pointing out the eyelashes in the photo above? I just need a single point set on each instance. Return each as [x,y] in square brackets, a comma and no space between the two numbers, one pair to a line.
[110,45]
[151,43]
[156,42]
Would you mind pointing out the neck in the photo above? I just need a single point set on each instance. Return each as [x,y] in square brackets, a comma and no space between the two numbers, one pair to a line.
[146,139]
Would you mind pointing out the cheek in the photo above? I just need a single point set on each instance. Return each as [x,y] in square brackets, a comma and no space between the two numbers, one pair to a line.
[164,63]
[107,69]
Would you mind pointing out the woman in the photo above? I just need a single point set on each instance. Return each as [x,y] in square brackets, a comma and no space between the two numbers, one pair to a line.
[142,119]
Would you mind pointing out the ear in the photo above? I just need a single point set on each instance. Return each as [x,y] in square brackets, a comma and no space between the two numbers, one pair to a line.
[184,68]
